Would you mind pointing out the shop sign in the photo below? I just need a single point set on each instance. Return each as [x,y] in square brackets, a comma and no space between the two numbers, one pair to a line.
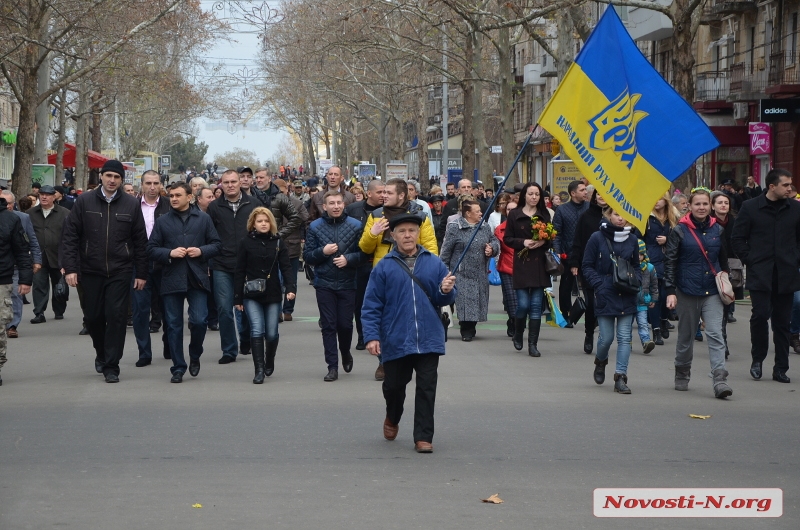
[783,110]
[8,137]
[760,138]
[564,172]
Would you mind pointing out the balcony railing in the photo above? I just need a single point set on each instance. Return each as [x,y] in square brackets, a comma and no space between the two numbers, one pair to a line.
[712,86]
[783,68]
[746,80]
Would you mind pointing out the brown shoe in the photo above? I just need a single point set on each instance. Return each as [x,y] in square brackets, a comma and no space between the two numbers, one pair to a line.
[390,430]
[12,332]
[287,317]
[423,447]
[379,374]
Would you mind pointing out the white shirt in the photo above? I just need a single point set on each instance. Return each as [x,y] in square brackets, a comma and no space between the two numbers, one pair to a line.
[47,212]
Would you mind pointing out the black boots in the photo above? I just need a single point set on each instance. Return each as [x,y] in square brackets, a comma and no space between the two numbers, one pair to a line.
[620,384]
[658,337]
[519,331]
[588,343]
[600,370]
[794,342]
[665,327]
[533,337]
[257,347]
[269,365]
[510,327]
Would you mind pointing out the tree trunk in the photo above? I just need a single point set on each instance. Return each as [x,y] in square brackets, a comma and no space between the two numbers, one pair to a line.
[81,147]
[506,102]
[23,154]
[478,121]
[468,138]
[308,141]
[62,132]
[97,132]
[422,145]
[564,50]
[383,135]
[42,115]
[682,65]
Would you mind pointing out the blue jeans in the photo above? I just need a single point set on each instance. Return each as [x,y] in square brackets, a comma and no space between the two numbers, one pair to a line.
[288,305]
[16,301]
[794,325]
[623,326]
[263,319]
[173,321]
[529,303]
[643,325]
[229,319]
[141,303]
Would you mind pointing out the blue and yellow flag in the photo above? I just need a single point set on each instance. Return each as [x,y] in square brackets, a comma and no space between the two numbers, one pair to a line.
[626,129]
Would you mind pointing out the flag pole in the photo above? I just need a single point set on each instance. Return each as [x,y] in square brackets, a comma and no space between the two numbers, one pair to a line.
[489,208]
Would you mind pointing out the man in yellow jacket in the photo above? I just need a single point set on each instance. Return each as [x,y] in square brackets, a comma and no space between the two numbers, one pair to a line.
[377,239]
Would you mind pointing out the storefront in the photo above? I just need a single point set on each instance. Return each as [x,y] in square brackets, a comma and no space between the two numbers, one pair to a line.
[731,160]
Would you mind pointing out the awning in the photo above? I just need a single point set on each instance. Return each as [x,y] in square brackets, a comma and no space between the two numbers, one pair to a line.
[96,160]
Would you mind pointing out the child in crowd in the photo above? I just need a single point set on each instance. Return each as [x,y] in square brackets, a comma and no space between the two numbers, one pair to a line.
[648,296]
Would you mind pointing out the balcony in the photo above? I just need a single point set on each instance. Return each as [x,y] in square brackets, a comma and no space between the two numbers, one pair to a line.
[712,86]
[747,82]
[784,75]
[646,24]
[733,7]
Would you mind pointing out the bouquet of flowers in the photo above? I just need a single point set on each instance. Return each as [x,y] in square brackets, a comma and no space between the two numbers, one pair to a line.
[541,231]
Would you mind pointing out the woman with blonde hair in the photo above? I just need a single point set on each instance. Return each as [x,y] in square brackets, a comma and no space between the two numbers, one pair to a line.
[662,220]
[257,287]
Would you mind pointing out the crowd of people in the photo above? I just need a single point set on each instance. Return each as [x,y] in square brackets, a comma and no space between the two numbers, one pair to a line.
[398,263]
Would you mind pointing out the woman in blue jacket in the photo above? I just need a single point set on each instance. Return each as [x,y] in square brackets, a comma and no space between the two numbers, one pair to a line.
[659,225]
[614,309]
[690,285]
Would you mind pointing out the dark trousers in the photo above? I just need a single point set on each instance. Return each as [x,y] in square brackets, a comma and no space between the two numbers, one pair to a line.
[156,309]
[362,279]
[42,281]
[589,317]
[141,304]
[398,375]
[659,311]
[776,308]
[565,285]
[106,311]
[288,305]
[213,319]
[173,322]
[336,316]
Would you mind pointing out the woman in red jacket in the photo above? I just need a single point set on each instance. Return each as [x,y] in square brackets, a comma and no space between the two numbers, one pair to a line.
[505,266]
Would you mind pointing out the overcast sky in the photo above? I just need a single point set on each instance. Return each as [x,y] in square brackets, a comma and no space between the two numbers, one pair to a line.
[237,54]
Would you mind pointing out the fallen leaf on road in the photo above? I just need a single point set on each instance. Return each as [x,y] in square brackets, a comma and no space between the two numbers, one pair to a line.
[494,499]
[699,417]
[198,505]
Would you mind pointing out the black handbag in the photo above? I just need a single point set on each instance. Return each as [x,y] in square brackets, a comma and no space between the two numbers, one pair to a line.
[61,290]
[552,264]
[624,276]
[578,307]
[255,288]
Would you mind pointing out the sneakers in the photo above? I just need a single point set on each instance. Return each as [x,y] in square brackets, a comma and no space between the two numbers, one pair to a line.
[648,346]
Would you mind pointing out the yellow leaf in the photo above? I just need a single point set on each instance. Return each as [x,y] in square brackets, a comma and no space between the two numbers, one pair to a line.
[493,499]
[198,505]
[699,417]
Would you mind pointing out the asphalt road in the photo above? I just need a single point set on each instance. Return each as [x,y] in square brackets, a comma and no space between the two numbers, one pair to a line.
[300,453]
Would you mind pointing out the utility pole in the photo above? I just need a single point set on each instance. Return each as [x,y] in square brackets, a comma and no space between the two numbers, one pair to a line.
[116,132]
[445,109]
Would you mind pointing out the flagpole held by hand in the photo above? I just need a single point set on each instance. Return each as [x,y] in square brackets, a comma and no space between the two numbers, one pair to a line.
[489,208]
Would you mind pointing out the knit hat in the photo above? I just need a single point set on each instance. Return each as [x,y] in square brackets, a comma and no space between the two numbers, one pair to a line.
[643,250]
[114,166]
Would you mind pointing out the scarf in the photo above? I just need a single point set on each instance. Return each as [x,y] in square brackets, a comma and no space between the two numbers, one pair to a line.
[391,211]
[615,233]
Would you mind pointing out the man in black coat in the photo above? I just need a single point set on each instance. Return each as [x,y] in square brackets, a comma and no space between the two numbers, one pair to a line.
[766,237]
[105,241]
[48,220]
[229,214]
[182,242]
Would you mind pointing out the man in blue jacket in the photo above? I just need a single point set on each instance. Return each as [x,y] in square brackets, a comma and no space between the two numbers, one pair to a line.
[183,241]
[332,249]
[401,324]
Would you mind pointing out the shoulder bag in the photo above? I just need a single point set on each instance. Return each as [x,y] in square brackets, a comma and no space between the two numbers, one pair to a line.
[737,272]
[724,286]
[578,306]
[624,275]
[552,263]
[443,316]
[257,287]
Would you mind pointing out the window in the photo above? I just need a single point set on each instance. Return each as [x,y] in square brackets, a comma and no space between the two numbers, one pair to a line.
[751,45]
[791,50]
